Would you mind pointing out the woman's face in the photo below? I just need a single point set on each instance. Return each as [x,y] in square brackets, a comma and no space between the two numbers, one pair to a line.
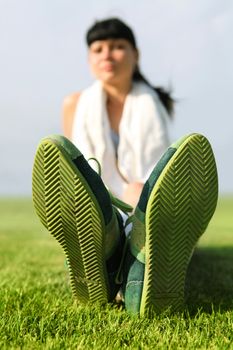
[112,60]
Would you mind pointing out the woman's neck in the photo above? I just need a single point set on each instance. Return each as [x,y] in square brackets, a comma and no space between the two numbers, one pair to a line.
[115,103]
[117,93]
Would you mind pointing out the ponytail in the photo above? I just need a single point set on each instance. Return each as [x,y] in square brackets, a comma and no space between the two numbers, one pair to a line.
[164,96]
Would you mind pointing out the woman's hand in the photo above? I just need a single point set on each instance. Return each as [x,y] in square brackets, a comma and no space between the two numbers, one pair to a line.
[132,193]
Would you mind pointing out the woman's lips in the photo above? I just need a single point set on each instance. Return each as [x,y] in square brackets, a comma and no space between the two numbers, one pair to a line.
[108,67]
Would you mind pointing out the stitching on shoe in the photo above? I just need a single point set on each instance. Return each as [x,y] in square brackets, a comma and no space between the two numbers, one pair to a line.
[134,283]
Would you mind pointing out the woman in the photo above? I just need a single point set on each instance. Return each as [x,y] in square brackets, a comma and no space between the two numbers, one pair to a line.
[121,113]
[121,121]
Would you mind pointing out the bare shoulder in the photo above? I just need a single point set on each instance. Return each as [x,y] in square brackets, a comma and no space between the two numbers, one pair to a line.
[71,100]
[69,107]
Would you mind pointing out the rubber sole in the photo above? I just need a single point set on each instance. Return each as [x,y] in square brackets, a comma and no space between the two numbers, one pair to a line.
[178,212]
[68,208]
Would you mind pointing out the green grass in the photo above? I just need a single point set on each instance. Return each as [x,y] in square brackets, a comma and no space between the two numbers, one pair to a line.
[37,310]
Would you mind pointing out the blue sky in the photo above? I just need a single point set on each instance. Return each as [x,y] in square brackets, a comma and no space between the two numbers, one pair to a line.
[184,44]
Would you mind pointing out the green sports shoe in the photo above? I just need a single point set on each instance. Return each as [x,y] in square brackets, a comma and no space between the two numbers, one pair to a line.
[175,207]
[74,205]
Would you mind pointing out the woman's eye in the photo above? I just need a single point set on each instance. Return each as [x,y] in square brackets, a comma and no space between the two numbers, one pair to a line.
[119,47]
[97,49]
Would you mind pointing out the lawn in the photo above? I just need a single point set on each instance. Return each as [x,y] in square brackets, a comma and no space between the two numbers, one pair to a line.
[37,310]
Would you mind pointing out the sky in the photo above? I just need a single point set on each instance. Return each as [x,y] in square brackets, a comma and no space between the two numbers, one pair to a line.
[184,45]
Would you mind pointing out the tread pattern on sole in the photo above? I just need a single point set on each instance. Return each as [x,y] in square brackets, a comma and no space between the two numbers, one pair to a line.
[179,211]
[65,206]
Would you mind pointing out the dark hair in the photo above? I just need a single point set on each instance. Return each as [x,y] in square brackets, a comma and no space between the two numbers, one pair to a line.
[114,28]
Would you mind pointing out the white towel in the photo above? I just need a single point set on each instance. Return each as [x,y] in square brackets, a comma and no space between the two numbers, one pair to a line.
[142,131]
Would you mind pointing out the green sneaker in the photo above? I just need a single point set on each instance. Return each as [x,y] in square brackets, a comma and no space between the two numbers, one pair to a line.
[175,207]
[74,205]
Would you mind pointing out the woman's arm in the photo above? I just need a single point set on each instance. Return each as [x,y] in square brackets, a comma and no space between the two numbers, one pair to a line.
[68,112]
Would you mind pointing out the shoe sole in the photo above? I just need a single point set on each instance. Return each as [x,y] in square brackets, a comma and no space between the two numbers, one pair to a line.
[179,209]
[68,208]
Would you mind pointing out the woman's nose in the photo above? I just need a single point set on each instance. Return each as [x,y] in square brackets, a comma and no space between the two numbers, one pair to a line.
[107,53]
